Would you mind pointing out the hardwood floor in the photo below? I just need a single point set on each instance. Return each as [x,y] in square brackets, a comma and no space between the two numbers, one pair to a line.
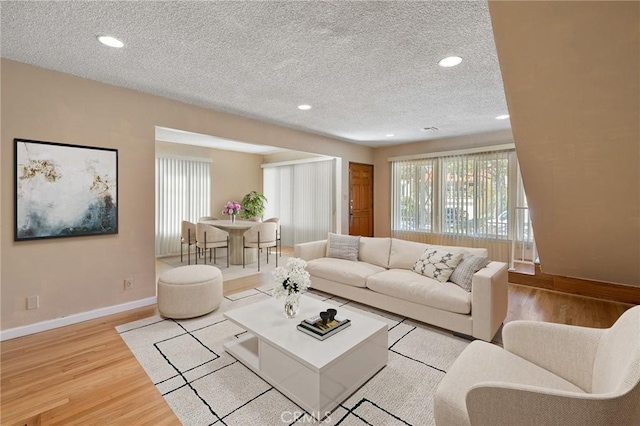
[535,304]
[78,375]
[85,374]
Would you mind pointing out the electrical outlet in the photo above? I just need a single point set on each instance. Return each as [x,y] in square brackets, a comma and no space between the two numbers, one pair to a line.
[128,283]
[33,302]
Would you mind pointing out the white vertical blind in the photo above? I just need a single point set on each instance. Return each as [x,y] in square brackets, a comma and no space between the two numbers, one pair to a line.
[466,199]
[412,188]
[183,192]
[302,196]
[475,195]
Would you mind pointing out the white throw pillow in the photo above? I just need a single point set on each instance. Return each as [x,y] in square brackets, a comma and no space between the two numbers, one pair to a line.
[343,246]
[469,265]
[437,264]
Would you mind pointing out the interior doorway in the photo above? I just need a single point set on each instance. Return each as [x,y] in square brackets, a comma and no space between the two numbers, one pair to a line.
[361,199]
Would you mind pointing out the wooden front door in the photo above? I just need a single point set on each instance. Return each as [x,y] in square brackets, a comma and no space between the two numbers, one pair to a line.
[361,199]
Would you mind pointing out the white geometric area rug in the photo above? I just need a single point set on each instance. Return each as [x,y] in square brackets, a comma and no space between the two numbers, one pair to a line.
[206,386]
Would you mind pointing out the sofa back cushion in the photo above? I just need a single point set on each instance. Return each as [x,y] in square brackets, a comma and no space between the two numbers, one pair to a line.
[481,252]
[404,253]
[375,251]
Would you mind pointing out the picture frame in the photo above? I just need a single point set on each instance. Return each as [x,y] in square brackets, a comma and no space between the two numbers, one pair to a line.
[64,190]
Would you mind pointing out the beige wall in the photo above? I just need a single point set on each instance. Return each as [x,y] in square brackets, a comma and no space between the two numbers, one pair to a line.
[233,174]
[571,74]
[382,168]
[75,275]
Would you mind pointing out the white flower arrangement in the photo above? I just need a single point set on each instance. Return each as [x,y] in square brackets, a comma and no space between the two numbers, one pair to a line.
[291,280]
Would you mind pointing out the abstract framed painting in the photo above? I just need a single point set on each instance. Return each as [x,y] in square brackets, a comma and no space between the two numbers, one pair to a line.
[64,190]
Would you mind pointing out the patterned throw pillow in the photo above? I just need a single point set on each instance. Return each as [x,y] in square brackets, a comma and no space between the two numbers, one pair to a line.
[343,246]
[437,264]
[469,265]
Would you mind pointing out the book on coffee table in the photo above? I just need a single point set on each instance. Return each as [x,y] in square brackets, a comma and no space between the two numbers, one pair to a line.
[316,328]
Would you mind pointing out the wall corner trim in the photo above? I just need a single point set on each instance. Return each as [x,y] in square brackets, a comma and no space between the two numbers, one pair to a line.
[25,330]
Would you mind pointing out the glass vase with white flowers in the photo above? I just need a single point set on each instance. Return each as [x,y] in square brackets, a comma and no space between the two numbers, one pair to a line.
[291,280]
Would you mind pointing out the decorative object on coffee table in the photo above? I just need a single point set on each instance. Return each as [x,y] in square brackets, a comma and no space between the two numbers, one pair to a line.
[324,325]
[291,280]
[332,314]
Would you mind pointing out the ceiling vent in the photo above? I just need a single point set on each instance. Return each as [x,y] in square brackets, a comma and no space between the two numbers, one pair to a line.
[429,129]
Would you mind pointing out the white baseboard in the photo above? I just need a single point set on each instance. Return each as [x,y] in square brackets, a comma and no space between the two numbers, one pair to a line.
[25,330]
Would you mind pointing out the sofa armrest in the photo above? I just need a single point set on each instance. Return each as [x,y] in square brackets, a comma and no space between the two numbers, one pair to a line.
[489,300]
[499,403]
[311,250]
[565,350]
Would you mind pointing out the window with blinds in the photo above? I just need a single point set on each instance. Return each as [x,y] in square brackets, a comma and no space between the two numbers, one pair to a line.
[413,193]
[183,192]
[469,195]
[302,196]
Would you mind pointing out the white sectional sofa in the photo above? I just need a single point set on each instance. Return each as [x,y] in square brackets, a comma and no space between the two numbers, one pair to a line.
[383,278]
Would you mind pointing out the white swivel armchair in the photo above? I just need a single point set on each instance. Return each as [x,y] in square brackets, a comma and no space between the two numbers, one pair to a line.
[211,238]
[547,374]
[262,235]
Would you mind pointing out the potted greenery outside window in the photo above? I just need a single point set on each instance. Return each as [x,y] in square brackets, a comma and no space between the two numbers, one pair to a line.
[253,205]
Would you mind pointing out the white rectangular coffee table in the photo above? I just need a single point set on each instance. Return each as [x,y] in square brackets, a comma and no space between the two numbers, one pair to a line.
[317,375]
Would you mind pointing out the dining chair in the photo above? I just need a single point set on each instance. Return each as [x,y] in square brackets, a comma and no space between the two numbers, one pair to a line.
[188,237]
[262,235]
[276,220]
[211,238]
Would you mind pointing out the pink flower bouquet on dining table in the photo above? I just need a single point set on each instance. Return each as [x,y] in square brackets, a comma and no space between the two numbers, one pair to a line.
[232,208]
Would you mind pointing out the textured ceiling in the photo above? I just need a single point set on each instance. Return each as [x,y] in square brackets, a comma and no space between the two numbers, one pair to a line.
[367,68]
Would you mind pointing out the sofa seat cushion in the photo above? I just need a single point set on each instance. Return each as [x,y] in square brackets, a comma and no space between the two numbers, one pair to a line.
[407,285]
[342,271]
[484,362]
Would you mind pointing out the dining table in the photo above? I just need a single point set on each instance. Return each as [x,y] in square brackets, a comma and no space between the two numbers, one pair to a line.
[236,229]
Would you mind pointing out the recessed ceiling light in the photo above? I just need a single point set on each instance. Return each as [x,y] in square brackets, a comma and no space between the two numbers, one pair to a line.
[502,117]
[304,107]
[450,61]
[389,135]
[110,41]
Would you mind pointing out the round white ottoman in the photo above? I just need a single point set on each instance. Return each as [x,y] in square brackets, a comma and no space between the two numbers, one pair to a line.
[189,291]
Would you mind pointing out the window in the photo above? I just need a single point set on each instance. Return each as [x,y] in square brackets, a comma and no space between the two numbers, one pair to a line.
[466,195]
[302,195]
[183,192]
[413,194]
